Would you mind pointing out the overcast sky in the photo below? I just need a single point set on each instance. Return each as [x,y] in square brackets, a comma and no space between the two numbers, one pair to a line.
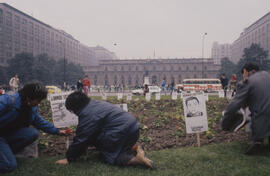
[171,28]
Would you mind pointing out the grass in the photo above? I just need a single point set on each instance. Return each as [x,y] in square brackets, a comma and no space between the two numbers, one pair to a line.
[225,159]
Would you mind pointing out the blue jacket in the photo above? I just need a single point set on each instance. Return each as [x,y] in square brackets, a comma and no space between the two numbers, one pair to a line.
[9,111]
[104,125]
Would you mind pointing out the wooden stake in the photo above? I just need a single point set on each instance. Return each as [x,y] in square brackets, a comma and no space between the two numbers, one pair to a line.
[67,142]
[198,139]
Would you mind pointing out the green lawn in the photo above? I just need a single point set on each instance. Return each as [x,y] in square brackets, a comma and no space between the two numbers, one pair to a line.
[213,160]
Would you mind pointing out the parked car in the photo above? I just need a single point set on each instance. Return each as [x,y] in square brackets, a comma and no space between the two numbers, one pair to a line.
[152,90]
[53,89]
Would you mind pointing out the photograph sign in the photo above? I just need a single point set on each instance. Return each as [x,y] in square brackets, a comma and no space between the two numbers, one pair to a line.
[148,96]
[119,96]
[129,96]
[104,96]
[123,106]
[61,116]
[174,96]
[157,96]
[195,112]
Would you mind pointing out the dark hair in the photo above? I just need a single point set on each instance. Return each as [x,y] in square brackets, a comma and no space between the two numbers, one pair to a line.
[249,66]
[192,98]
[33,91]
[76,101]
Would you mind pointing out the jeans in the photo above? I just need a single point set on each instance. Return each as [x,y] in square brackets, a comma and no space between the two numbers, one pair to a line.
[12,144]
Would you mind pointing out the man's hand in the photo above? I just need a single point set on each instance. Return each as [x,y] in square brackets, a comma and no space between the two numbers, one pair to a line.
[62,132]
[62,162]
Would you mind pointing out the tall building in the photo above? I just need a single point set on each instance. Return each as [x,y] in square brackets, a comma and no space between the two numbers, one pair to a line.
[20,32]
[220,51]
[132,72]
[258,32]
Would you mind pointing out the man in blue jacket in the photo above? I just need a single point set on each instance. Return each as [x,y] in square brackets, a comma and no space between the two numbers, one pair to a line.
[110,129]
[17,113]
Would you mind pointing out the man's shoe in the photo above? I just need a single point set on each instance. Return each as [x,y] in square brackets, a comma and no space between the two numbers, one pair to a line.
[254,149]
[141,156]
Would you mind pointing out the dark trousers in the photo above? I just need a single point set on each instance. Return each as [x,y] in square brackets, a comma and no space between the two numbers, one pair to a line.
[127,153]
[12,144]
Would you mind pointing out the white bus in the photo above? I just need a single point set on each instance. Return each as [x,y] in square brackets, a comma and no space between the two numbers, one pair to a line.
[207,85]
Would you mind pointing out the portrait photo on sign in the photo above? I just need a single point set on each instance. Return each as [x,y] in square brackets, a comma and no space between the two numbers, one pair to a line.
[193,107]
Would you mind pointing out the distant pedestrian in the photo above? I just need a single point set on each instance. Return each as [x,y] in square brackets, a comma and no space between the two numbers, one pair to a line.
[232,84]
[86,85]
[224,83]
[145,89]
[79,85]
[163,84]
[14,83]
[172,86]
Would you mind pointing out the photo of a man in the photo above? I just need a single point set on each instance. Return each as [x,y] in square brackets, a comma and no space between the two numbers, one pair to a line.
[192,104]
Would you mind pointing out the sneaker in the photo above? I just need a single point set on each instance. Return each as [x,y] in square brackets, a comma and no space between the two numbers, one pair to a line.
[254,149]
[141,156]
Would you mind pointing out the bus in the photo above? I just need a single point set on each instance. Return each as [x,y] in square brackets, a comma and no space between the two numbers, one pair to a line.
[200,84]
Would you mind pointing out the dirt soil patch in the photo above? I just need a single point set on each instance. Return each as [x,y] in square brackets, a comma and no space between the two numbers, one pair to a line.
[162,125]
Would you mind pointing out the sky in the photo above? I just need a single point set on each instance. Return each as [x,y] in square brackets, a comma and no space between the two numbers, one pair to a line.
[140,29]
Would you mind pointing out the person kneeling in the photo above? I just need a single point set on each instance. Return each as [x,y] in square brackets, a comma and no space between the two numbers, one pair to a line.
[110,129]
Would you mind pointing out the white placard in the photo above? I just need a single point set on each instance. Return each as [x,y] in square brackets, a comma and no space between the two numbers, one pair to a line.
[123,106]
[104,96]
[119,96]
[206,96]
[61,116]
[174,96]
[146,80]
[221,94]
[129,97]
[148,96]
[195,112]
[157,96]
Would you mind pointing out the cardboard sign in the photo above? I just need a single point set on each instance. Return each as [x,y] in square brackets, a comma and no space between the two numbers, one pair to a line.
[148,96]
[123,106]
[195,112]
[174,96]
[129,97]
[104,96]
[61,116]
[119,96]
[206,96]
[157,96]
[221,94]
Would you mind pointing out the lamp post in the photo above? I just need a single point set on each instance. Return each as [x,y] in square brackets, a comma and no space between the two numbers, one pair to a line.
[203,53]
[64,64]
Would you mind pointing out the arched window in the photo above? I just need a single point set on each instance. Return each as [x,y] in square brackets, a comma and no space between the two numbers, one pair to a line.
[123,80]
[137,80]
[179,78]
[115,80]
[129,80]
[106,80]
[95,80]
[154,79]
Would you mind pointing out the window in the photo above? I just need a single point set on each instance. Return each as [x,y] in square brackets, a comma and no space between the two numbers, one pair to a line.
[106,68]
[115,79]
[137,68]
[129,80]
[122,68]
[164,68]
[1,16]
[195,68]
[154,68]
[129,68]
[115,68]
[187,68]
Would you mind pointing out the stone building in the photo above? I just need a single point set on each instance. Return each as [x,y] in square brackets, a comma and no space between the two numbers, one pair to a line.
[20,32]
[258,32]
[132,72]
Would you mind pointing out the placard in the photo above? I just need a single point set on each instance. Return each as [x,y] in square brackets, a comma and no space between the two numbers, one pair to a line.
[129,96]
[157,96]
[221,94]
[195,112]
[148,96]
[123,106]
[174,96]
[104,96]
[61,116]
[119,96]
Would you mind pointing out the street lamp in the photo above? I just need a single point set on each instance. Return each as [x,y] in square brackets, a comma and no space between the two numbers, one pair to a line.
[203,53]
[64,63]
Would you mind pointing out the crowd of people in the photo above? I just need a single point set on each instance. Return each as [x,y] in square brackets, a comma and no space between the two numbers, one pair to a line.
[113,131]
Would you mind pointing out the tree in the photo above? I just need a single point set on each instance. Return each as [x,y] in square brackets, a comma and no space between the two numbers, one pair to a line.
[255,54]
[227,67]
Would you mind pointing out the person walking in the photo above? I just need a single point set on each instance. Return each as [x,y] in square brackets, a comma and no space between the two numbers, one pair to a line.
[224,83]
[232,84]
[14,83]
[79,85]
[86,85]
